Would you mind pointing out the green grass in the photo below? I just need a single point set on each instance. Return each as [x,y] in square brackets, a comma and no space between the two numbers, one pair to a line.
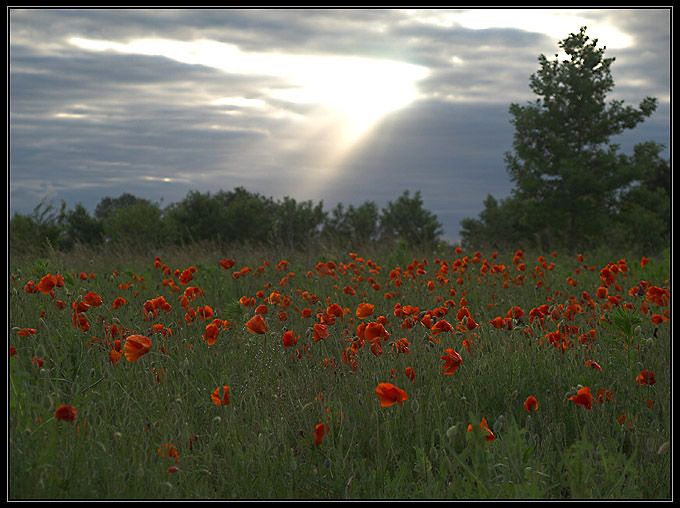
[261,445]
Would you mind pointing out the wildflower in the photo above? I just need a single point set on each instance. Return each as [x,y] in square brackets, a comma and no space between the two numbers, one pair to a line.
[205,312]
[320,431]
[364,310]
[257,324]
[531,404]
[623,419]
[484,426]
[442,326]
[646,377]
[497,322]
[119,302]
[388,394]
[26,332]
[136,346]
[115,355]
[410,373]
[227,263]
[289,339]
[186,276]
[46,284]
[320,332]
[401,346]
[583,398]
[657,295]
[375,331]
[602,292]
[470,323]
[335,310]
[452,361]
[222,400]
[93,299]
[66,413]
[603,395]
[211,333]
[593,365]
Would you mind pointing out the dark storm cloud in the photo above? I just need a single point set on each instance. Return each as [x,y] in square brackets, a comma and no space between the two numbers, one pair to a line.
[88,124]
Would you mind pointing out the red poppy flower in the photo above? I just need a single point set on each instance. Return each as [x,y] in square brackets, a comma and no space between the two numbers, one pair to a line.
[603,395]
[388,394]
[205,312]
[375,331]
[66,413]
[320,332]
[410,374]
[257,324]
[452,361]
[222,400]
[136,346]
[119,302]
[593,365]
[442,326]
[227,263]
[470,323]
[211,333]
[583,398]
[484,426]
[46,284]
[93,299]
[114,356]
[25,332]
[646,377]
[320,430]
[335,310]
[531,404]
[364,310]
[289,339]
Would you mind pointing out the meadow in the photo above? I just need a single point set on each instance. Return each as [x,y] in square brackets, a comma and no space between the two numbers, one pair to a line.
[246,374]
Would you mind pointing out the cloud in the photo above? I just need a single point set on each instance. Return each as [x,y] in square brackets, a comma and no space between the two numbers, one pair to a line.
[87,124]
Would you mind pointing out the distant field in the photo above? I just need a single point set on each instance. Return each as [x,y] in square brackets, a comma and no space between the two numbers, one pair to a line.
[245,375]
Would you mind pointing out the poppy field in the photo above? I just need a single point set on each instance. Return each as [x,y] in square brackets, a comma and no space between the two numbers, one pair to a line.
[239,375]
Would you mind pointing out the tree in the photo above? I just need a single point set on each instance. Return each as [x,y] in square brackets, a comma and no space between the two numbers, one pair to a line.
[43,227]
[500,225]
[364,222]
[565,169]
[644,209]
[355,227]
[297,223]
[406,219]
[138,225]
[108,205]
[82,228]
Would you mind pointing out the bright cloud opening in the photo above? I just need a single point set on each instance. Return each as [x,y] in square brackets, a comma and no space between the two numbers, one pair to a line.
[358,90]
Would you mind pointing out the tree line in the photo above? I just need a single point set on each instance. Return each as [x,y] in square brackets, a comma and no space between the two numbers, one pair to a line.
[235,217]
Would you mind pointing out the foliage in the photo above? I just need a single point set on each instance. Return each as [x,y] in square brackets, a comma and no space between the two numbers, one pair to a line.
[407,219]
[572,186]
[251,416]
[225,218]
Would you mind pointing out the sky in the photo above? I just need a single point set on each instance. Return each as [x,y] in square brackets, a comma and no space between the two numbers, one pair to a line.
[331,105]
